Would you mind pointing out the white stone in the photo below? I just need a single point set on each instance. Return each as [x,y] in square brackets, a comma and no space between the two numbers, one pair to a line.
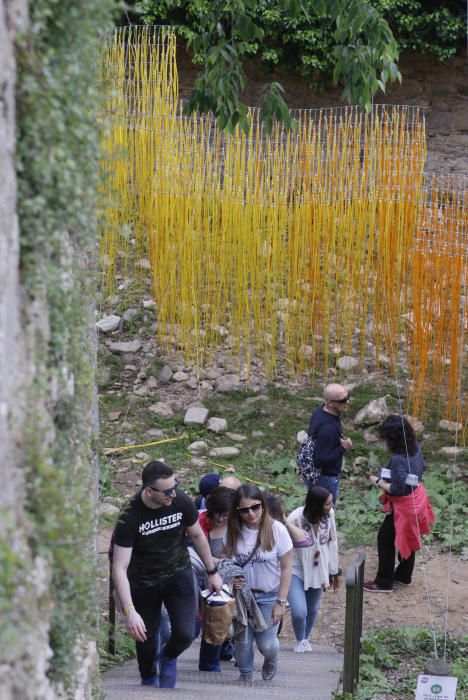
[129,314]
[161,409]
[347,362]
[198,463]
[198,447]
[373,412]
[196,415]
[180,377]
[301,437]
[129,347]
[148,303]
[227,382]
[224,452]
[107,324]
[257,433]
[165,374]
[212,373]
[416,424]
[236,437]
[452,451]
[108,509]
[192,383]
[449,425]
[152,383]
[217,425]
[143,456]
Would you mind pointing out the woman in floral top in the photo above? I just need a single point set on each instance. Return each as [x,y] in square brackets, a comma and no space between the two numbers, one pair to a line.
[315,561]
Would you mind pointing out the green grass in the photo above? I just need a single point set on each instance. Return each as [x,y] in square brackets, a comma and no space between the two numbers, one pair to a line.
[392,659]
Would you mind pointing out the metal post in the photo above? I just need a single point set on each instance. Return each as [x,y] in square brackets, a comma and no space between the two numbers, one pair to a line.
[353,622]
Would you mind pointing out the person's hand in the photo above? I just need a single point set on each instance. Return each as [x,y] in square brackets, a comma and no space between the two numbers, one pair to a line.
[215,583]
[238,583]
[346,443]
[277,613]
[135,625]
[334,581]
[373,479]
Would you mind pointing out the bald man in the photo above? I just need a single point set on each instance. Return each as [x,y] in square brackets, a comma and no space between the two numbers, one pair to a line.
[231,482]
[330,444]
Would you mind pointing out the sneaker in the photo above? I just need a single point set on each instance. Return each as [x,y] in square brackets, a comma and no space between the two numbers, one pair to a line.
[167,672]
[401,583]
[372,587]
[246,679]
[302,646]
[269,668]
[150,681]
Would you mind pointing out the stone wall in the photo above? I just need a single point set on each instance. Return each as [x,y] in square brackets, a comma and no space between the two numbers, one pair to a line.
[48,467]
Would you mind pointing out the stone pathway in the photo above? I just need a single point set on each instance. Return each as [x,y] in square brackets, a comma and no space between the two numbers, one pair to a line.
[311,676]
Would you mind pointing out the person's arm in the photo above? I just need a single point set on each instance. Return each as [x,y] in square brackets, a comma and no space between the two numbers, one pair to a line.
[380,483]
[202,548]
[133,621]
[285,562]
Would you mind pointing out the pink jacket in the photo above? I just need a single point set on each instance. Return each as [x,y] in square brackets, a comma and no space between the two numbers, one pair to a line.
[412,516]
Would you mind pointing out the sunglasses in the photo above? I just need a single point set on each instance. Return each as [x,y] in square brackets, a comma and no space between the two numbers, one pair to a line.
[245,509]
[166,492]
[345,400]
[316,557]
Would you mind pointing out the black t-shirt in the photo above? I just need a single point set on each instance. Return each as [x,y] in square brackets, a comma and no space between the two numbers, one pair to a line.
[157,536]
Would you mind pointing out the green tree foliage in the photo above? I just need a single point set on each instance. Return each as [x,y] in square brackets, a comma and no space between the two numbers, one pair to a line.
[222,33]
[349,40]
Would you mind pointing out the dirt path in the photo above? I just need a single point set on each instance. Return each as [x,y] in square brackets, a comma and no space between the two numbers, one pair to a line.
[405,606]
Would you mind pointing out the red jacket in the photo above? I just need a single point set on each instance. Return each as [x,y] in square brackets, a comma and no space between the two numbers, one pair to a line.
[412,516]
[205,522]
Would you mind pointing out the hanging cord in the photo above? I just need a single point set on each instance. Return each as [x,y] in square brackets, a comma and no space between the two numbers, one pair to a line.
[424,568]
[458,414]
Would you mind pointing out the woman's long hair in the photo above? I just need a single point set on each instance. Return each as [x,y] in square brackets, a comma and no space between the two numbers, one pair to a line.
[314,503]
[219,501]
[266,539]
[399,435]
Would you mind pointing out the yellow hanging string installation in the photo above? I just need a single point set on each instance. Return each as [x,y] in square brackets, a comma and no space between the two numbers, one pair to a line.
[282,248]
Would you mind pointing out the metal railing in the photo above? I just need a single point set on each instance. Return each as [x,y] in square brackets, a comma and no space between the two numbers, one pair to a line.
[353,622]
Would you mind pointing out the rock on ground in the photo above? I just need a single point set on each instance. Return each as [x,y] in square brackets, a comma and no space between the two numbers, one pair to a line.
[373,412]
[198,447]
[161,409]
[301,437]
[196,415]
[130,347]
[107,324]
[217,425]
[224,452]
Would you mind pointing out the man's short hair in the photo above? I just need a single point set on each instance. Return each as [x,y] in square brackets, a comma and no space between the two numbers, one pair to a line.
[155,470]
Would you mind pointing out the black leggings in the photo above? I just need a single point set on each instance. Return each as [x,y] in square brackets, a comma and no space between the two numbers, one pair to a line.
[178,595]
[387,573]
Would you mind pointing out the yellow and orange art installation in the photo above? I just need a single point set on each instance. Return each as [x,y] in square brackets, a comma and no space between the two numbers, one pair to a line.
[279,247]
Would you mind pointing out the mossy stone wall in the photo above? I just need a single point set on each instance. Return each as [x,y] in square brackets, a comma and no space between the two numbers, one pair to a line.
[49,135]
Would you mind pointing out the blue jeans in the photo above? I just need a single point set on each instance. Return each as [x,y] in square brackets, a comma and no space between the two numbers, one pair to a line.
[332,484]
[267,641]
[304,607]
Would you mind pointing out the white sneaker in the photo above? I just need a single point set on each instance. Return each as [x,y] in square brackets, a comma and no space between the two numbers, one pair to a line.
[302,646]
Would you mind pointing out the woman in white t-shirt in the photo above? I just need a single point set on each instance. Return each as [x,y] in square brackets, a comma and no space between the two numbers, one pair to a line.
[315,561]
[264,547]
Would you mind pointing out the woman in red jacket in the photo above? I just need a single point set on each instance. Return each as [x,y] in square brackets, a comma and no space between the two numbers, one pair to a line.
[408,510]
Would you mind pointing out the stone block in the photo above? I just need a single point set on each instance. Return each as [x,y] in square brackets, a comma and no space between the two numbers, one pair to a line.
[196,415]
[107,324]
[130,347]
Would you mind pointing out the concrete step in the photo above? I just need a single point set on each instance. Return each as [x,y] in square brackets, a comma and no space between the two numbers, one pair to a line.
[311,676]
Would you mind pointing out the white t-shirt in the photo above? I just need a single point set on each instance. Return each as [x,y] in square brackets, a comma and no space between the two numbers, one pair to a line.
[263,570]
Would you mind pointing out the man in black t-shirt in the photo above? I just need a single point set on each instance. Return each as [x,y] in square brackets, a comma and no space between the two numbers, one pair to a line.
[151,566]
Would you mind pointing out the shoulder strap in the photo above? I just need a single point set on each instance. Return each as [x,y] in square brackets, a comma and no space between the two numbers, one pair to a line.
[252,553]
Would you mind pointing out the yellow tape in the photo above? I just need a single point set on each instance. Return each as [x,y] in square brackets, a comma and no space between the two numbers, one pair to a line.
[246,478]
[109,450]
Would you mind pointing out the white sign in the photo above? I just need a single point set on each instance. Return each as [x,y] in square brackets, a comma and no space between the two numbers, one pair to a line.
[436,688]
